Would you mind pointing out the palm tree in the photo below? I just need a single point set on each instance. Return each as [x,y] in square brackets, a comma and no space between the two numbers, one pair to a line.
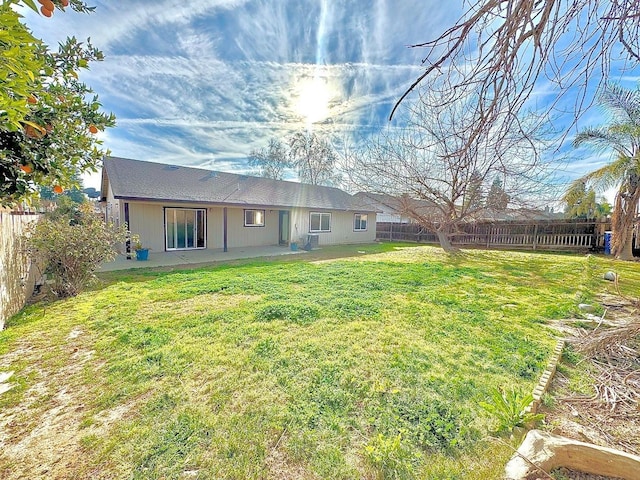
[622,136]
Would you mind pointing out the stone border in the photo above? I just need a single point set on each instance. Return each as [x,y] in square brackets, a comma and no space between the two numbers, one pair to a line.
[545,379]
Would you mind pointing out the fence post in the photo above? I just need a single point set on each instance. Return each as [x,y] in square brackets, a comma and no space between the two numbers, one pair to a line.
[535,236]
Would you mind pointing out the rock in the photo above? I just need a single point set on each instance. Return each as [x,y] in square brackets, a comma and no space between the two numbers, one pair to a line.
[611,276]
[550,451]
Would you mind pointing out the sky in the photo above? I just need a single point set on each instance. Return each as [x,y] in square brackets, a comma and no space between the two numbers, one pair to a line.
[203,83]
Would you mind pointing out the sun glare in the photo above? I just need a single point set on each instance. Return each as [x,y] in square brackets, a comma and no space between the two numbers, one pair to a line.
[313,99]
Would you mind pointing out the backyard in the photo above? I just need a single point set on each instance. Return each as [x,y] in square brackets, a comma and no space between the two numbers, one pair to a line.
[372,364]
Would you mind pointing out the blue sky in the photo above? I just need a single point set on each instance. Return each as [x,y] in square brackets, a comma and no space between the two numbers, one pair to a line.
[202,83]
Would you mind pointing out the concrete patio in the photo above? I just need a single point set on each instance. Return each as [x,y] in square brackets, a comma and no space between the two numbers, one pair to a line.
[195,257]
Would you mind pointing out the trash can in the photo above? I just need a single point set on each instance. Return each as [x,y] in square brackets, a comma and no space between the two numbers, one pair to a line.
[294,246]
[607,243]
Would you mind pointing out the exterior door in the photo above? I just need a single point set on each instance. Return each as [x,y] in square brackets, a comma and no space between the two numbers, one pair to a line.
[284,228]
[185,228]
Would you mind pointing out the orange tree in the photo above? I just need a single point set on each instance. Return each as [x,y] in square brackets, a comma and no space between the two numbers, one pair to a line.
[48,117]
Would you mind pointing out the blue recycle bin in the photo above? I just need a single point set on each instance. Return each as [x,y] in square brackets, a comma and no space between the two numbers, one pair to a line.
[607,243]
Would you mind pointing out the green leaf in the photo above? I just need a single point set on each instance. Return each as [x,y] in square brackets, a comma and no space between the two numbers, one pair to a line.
[31,4]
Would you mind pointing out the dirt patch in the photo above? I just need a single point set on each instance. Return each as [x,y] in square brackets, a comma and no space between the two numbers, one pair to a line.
[604,409]
[40,437]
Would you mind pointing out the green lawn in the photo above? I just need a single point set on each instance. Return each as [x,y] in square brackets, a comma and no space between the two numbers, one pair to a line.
[367,366]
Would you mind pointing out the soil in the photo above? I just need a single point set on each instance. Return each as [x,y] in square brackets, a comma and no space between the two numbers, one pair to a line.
[588,417]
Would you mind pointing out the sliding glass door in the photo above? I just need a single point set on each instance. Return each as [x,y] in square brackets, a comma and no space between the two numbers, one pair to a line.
[185,228]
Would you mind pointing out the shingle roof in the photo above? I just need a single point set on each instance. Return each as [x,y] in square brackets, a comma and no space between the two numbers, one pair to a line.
[393,204]
[138,180]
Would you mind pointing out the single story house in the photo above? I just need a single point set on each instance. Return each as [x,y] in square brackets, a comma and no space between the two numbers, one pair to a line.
[393,209]
[172,207]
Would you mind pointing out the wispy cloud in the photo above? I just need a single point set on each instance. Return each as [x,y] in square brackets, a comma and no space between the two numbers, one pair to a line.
[204,83]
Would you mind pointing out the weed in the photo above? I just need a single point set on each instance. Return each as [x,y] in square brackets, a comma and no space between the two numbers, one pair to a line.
[508,407]
[215,367]
[391,457]
[290,312]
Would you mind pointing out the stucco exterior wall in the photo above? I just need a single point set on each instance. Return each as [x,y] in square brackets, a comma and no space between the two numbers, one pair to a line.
[18,273]
[342,224]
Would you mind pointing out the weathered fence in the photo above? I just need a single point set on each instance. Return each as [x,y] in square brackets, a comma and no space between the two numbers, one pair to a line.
[17,273]
[547,234]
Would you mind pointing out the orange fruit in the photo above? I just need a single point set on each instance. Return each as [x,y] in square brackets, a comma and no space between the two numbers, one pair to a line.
[45,12]
[65,3]
[32,99]
[33,132]
[26,168]
[93,129]
[48,4]
[58,189]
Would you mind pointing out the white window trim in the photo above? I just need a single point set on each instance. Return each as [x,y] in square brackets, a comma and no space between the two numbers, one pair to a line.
[321,214]
[254,224]
[204,226]
[366,222]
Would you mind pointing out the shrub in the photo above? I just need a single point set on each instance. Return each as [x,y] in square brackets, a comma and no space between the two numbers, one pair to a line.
[72,246]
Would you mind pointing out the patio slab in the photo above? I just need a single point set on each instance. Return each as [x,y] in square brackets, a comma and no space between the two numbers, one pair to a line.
[194,257]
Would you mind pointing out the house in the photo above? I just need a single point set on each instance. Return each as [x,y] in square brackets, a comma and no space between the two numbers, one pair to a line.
[392,209]
[180,208]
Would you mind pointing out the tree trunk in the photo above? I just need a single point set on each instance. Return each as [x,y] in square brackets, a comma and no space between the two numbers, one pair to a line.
[626,250]
[445,242]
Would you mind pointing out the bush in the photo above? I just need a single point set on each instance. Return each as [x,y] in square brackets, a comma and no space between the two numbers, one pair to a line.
[72,246]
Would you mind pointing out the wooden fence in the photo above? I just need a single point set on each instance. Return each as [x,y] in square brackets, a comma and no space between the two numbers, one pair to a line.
[534,235]
[17,271]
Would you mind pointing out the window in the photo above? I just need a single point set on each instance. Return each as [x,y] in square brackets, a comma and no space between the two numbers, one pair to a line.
[360,222]
[185,228]
[319,222]
[254,218]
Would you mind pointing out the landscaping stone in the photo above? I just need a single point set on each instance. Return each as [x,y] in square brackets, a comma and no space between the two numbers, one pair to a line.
[611,276]
[549,451]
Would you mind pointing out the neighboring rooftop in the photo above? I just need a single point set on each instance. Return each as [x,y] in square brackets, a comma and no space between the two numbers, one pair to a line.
[139,180]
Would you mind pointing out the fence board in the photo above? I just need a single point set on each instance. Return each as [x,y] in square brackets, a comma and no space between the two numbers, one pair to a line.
[543,234]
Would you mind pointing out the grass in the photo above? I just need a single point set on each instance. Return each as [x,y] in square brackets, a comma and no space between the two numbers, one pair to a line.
[367,366]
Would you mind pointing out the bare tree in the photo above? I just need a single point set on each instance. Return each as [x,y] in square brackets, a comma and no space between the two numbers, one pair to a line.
[438,175]
[314,159]
[504,49]
[271,162]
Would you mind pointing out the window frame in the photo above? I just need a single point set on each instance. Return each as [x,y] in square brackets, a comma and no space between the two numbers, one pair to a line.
[321,215]
[252,225]
[366,222]
[198,233]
